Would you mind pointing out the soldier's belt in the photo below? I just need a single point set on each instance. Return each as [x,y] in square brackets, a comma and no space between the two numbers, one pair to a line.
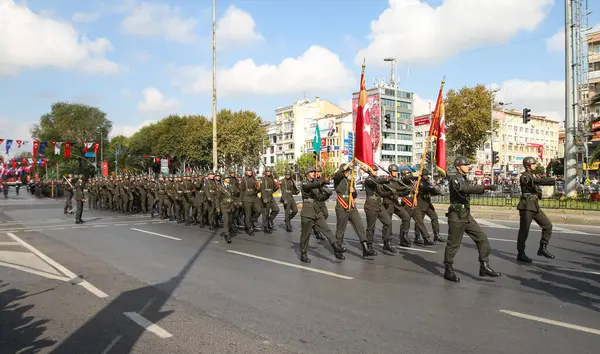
[529,196]
[228,200]
[375,198]
[268,190]
[308,200]
[249,190]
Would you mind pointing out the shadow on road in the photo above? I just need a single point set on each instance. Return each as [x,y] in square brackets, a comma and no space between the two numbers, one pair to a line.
[19,333]
[110,331]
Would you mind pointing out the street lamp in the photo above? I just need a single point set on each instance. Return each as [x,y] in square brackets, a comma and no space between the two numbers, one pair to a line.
[214,83]
[492,92]
[392,62]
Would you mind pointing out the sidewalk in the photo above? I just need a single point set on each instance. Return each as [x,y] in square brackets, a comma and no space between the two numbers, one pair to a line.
[558,216]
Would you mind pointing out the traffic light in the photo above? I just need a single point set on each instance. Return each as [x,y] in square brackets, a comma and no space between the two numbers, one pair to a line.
[388,121]
[526,115]
[315,155]
[428,157]
[328,149]
[496,157]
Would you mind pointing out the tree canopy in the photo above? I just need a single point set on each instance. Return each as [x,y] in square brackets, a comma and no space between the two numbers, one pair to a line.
[468,116]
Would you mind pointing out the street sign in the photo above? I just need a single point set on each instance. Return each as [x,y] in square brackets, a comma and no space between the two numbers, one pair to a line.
[164,166]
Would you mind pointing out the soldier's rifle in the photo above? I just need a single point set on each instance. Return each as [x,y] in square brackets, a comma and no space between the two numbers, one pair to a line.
[406,200]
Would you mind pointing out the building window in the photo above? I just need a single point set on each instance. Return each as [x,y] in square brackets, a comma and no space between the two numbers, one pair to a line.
[406,105]
[388,147]
[265,160]
[405,116]
[406,148]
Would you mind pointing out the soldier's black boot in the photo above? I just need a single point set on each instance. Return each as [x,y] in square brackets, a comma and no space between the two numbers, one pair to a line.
[288,226]
[522,257]
[267,230]
[543,251]
[271,224]
[366,251]
[319,236]
[304,258]
[449,274]
[438,238]
[428,242]
[250,231]
[370,246]
[227,237]
[404,242]
[387,246]
[338,250]
[418,240]
[486,271]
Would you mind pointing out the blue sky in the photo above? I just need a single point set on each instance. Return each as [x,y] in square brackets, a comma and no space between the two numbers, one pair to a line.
[141,60]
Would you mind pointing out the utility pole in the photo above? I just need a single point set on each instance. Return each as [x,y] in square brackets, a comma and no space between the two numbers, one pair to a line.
[431,145]
[492,92]
[116,158]
[570,132]
[101,151]
[395,87]
[214,78]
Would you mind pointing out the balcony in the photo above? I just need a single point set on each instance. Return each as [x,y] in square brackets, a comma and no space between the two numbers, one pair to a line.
[594,58]
[594,77]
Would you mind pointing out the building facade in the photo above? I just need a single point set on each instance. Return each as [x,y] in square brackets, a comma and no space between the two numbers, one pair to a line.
[286,135]
[421,126]
[336,137]
[395,144]
[593,49]
[514,141]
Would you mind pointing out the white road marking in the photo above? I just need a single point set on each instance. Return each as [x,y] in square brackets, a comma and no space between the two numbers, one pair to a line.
[154,233]
[33,271]
[414,249]
[314,270]
[9,244]
[149,326]
[58,228]
[80,227]
[567,231]
[494,225]
[501,239]
[579,271]
[124,224]
[99,225]
[552,322]
[85,284]
[140,223]
[31,230]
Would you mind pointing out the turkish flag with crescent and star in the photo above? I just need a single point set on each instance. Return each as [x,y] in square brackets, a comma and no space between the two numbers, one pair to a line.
[438,130]
[363,149]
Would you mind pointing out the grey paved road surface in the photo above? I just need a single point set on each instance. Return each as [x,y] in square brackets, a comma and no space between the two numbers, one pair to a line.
[121,284]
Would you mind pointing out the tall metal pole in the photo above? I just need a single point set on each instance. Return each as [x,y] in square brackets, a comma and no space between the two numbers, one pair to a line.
[570,148]
[431,147]
[116,158]
[492,137]
[101,150]
[214,107]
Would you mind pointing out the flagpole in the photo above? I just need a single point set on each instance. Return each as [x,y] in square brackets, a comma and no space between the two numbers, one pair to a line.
[435,117]
[350,197]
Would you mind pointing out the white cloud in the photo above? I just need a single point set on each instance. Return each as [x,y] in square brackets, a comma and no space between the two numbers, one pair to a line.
[128,130]
[155,102]
[85,16]
[31,41]
[236,27]
[159,20]
[346,105]
[317,71]
[422,106]
[415,32]
[545,98]
[556,43]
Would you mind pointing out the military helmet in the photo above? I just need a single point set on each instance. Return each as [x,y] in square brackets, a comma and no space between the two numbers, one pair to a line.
[248,168]
[311,169]
[461,161]
[529,160]
[288,172]
[425,172]
[268,169]
[232,170]
[393,168]
[405,172]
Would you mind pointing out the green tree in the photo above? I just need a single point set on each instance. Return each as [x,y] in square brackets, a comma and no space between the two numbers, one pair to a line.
[557,167]
[197,142]
[240,138]
[280,167]
[467,119]
[595,99]
[76,123]
[329,170]
[305,161]
[539,169]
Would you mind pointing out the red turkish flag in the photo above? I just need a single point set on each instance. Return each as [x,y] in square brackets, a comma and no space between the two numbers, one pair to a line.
[363,149]
[440,150]
[67,149]
[96,147]
[541,151]
[36,146]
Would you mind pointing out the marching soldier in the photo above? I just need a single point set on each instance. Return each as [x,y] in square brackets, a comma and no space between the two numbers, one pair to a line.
[426,191]
[529,210]
[270,209]
[151,194]
[227,205]
[414,212]
[199,200]
[312,215]
[374,209]
[79,198]
[69,189]
[461,221]
[288,191]
[249,188]
[345,210]
[393,206]
[212,199]
[326,193]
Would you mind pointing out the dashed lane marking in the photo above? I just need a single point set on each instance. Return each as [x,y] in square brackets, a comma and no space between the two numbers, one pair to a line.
[494,225]
[147,325]
[314,270]
[157,234]
[85,284]
[9,244]
[501,239]
[552,322]
[579,271]
[33,271]
[414,249]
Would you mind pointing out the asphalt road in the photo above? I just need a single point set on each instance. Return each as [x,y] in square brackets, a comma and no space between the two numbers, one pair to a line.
[121,284]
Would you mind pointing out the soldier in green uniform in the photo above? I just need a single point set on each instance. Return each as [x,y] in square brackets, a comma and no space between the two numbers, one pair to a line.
[143,193]
[288,191]
[79,198]
[312,215]
[249,189]
[212,199]
[69,189]
[199,199]
[529,210]
[345,210]
[268,186]
[394,206]
[414,212]
[151,191]
[426,191]
[460,221]
[227,206]
[374,209]
[322,202]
